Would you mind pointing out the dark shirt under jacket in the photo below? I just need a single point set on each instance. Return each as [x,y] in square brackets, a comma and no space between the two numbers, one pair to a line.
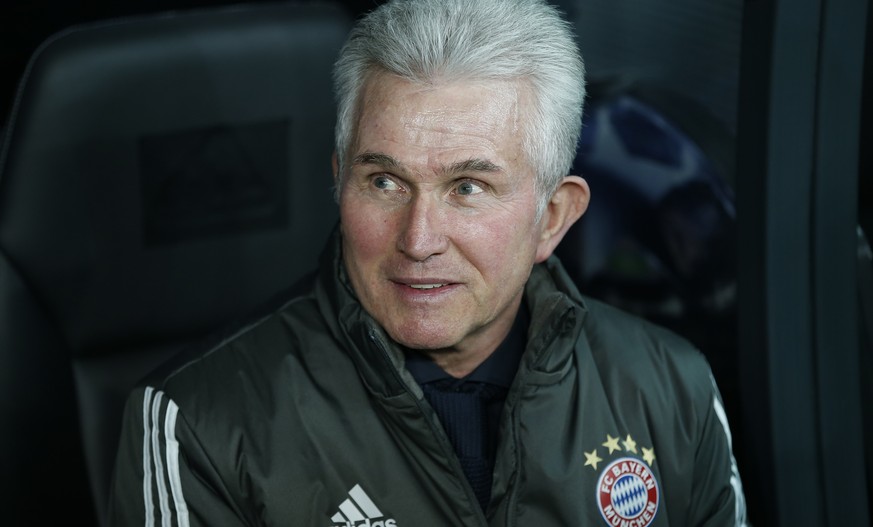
[469,408]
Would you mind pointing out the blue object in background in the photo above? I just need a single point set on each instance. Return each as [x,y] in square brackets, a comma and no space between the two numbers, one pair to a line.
[659,236]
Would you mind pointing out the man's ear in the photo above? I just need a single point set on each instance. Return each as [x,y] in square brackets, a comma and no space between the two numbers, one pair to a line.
[334,163]
[567,205]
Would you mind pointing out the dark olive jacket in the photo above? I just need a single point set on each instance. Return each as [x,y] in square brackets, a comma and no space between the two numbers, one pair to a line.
[308,417]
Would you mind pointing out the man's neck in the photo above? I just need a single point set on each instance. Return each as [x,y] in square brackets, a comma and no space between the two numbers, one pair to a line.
[459,364]
[461,360]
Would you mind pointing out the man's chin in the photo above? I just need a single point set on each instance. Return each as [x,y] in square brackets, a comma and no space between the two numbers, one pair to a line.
[429,346]
[430,340]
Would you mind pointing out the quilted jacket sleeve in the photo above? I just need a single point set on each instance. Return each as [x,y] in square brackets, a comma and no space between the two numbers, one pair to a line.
[162,475]
[717,498]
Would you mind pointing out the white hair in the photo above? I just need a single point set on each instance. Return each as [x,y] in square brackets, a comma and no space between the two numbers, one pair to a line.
[430,41]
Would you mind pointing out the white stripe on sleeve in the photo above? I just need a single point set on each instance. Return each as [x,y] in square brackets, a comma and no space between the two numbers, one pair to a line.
[146,457]
[159,465]
[736,483]
[173,465]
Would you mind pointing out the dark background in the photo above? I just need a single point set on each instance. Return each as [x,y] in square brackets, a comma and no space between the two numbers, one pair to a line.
[712,58]
[25,24]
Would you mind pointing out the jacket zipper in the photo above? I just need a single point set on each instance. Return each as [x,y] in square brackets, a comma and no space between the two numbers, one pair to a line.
[448,450]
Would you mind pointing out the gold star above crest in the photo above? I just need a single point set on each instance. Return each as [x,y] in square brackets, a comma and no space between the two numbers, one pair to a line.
[611,443]
[592,459]
[630,445]
[649,455]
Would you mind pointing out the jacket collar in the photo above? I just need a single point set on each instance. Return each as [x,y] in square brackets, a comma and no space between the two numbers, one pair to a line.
[556,309]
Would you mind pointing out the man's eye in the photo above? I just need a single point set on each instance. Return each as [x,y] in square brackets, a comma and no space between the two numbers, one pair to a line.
[468,188]
[384,183]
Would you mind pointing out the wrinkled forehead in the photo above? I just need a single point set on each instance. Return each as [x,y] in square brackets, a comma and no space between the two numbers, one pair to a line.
[449,113]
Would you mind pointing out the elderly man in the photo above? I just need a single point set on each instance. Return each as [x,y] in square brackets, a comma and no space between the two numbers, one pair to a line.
[442,370]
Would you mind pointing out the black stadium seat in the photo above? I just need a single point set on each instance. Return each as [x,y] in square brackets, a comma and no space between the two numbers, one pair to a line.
[160,177]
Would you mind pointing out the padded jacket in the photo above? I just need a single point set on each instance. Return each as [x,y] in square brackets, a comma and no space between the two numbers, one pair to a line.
[308,417]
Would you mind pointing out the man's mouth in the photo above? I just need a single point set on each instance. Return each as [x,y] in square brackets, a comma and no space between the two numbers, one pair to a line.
[426,286]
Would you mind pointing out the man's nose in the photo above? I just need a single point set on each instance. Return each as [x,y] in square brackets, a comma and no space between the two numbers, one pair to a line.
[424,231]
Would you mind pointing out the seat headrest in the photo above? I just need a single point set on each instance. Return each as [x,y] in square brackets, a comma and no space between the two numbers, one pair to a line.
[166,158]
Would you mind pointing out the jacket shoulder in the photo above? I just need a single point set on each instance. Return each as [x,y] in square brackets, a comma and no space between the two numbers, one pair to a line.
[627,347]
[243,354]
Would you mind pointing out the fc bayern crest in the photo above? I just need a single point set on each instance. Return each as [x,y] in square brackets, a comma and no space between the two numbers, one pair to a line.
[627,493]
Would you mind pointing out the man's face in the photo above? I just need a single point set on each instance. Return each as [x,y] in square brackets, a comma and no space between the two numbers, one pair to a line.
[438,211]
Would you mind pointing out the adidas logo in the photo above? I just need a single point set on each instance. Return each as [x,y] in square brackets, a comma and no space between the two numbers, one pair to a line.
[359,511]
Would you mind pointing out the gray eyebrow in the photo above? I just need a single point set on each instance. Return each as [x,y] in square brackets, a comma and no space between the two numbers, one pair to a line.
[473,165]
[373,158]
[460,167]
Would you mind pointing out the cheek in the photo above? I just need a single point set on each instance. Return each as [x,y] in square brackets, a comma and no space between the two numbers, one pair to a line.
[500,247]
[365,232]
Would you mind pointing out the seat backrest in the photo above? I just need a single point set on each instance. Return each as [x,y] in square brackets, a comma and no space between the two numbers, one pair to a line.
[160,177]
